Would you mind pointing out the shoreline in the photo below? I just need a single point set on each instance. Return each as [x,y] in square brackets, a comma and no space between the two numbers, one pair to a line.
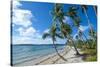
[68,53]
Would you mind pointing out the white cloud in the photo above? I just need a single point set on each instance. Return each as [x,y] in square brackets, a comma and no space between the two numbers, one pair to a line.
[83,28]
[46,31]
[67,20]
[16,4]
[26,33]
[21,16]
[32,36]
[29,36]
[29,40]
[20,40]
[30,31]
[60,41]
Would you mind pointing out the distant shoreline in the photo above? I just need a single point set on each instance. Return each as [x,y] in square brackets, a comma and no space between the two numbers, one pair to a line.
[36,44]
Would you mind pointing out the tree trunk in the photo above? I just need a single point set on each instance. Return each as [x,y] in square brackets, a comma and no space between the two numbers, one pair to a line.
[77,53]
[68,36]
[87,19]
[86,39]
[94,7]
[58,52]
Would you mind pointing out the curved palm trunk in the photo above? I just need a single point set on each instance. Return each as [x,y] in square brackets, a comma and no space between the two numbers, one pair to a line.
[85,37]
[86,16]
[83,41]
[93,43]
[88,23]
[87,19]
[81,36]
[58,52]
[94,40]
[77,52]
[95,10]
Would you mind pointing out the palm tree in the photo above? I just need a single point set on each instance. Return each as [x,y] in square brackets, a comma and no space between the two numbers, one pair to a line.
[95,10]
[72,12]
[64,28]
[66,31]
[84,10]
[80,33]
[52,33]
[79,41]
[56,12]
[93,36]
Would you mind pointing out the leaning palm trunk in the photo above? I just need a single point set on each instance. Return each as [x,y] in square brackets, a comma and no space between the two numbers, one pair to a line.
[93,43]
[83,43]
[85,37]
[88,23]
[58,52]
[67,36]
[95,10]
[94,7]
[94,40]
[77,52]
[87,18]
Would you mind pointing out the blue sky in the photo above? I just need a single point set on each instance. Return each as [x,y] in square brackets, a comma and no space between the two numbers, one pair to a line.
[32,19]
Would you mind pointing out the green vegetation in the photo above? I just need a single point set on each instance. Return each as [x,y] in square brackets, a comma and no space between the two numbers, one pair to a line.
[91,54]
[91,58]
[64,30]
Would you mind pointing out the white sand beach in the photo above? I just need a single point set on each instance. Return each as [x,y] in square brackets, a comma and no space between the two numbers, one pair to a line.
[68,53]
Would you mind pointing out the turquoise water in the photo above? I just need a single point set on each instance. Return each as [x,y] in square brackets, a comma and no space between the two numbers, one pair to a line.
[23,53]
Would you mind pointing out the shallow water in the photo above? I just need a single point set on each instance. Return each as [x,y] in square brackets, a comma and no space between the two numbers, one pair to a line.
[22,53]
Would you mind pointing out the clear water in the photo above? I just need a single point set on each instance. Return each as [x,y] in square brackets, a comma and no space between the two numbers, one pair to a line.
[22,53]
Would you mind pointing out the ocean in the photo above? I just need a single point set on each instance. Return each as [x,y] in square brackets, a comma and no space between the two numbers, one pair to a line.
[23,53]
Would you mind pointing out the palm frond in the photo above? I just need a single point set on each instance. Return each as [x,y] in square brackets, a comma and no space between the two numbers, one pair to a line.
[77,21]
[72,12]
[66,29]
[59,36]
[45,35]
